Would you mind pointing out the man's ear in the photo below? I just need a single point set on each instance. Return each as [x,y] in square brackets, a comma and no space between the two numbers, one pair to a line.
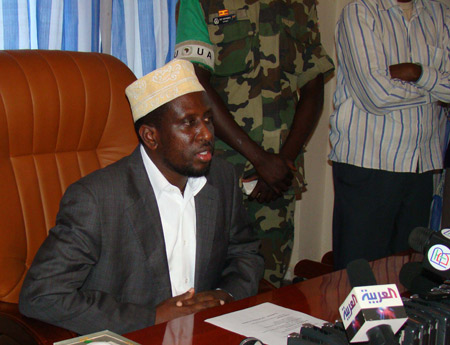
[149,135]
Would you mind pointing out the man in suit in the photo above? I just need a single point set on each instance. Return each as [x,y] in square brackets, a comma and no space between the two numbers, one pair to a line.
[159,234]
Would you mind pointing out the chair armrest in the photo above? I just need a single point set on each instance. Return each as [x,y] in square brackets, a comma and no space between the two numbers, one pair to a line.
[21,330]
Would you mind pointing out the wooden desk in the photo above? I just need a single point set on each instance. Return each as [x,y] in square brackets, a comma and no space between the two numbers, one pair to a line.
[319,297]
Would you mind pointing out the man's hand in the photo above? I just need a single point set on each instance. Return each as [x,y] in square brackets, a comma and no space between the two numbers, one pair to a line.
[189,303]
[409,72]
[263,193]
[274,168]
[219,296]
[277,173]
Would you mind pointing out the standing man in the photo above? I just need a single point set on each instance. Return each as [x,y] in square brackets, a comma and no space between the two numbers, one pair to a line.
[159,234]
[254,58]
[387,131]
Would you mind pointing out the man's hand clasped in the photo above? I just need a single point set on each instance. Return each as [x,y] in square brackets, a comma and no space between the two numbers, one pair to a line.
[190,302]
[274,174]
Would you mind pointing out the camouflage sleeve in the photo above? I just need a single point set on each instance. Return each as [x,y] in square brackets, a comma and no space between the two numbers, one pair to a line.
[192,42]
[314,57]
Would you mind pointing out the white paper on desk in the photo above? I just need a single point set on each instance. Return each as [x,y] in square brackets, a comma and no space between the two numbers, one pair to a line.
[268,322]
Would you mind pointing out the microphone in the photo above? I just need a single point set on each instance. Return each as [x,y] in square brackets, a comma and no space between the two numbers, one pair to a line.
[419,281]
[360,273]
[435,246]
[371,312]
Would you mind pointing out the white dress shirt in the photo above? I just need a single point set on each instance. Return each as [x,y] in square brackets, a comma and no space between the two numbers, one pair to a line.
[384,123]
[177,212]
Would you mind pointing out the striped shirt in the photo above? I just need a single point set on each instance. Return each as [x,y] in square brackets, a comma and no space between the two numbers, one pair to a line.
[383,123]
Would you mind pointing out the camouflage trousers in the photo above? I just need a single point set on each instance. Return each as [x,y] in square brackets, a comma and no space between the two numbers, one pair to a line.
[274,223]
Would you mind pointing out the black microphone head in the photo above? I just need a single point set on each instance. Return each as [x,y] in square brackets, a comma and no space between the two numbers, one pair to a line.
[418,238]
[416,279]
[360,273]
[409,273]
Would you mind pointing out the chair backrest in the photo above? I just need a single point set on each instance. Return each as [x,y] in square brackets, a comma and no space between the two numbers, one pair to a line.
[62,115]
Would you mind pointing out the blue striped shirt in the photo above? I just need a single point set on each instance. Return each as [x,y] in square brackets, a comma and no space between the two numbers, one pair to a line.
[383,123]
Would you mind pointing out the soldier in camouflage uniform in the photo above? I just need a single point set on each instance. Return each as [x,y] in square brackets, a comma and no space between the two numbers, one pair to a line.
[254,58]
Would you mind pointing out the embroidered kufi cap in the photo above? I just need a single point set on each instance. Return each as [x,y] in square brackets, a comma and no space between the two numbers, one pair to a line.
[161,86]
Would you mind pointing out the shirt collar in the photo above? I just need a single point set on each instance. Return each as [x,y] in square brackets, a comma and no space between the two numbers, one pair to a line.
[388,4]
[160,184]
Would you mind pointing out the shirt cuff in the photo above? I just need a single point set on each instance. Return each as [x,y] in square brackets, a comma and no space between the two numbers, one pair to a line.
[428,79]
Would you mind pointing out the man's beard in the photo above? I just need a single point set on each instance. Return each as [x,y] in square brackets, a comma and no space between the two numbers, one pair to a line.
[189,170]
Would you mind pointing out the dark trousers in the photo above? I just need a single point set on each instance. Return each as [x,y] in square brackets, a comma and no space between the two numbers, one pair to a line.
[445,222]
[375,211]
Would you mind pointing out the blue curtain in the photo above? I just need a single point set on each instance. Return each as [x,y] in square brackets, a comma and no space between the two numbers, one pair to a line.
[141,33]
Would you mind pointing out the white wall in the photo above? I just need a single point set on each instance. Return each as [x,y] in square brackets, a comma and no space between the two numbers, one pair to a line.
[314,211]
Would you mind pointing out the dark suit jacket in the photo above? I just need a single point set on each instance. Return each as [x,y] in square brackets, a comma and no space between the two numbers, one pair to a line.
[104,264]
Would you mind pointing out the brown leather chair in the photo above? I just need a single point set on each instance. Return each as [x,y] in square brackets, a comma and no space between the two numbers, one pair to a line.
[62,115]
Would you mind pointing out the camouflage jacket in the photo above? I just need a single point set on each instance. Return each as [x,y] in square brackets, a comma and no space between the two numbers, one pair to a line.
[260,53]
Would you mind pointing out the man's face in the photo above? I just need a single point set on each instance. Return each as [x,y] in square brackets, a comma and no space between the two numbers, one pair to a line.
[185,139]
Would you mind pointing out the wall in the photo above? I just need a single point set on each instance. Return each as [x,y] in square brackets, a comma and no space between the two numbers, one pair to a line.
[314,212]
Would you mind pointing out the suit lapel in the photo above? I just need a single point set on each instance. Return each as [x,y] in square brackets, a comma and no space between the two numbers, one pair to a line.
[206,214]
[146,222]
